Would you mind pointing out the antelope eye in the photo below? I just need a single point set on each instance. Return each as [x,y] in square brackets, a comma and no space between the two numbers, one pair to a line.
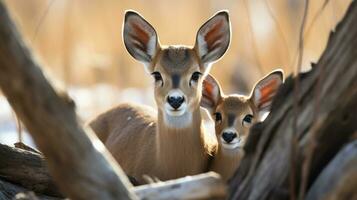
[218,117]
[247,120]
[157,76]
[196,76]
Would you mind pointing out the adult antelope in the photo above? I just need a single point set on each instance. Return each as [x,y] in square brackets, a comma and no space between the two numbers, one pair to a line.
[234,115]
[173,143]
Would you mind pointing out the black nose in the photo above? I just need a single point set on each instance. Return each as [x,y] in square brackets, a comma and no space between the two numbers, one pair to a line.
[229,136]
[175,101]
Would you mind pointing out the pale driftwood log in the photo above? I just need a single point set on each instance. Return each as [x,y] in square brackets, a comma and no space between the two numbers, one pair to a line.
[264,171]
[9,191]
[27,169]
[338,181]
[78,161]
[203,186]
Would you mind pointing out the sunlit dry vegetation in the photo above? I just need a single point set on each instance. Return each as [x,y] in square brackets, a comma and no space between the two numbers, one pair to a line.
[80,41]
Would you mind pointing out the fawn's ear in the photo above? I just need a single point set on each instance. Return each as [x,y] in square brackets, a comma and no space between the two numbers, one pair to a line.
[265,90]
[213,38]
[140,38]
[211,93]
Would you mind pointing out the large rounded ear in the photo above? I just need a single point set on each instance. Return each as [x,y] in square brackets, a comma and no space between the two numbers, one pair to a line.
[213,38]
[140,38]
[211,93]
[265,90]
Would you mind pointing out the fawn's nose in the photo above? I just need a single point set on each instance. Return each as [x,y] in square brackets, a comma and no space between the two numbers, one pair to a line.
[229,136]
[175,101]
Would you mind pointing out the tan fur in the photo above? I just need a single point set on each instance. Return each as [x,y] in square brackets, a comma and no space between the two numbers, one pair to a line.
[226,161]
[141,147]
[233,109]
[171,142]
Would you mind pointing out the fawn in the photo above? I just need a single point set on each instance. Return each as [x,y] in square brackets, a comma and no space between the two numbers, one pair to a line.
[234,115]
[171,142]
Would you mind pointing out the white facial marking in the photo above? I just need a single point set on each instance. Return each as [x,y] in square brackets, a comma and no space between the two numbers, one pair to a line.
[169,110]
[182,121]
[235,143]
[176,93]
[175,113]
[177,118]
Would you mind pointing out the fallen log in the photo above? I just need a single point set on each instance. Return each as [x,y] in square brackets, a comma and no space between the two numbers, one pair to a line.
[202,186]
[332,87]
[9,191]
[27,169]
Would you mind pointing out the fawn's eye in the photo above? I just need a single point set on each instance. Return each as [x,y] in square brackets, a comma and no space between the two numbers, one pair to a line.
[218,117]
[195,76]
[157,76]
[247,120]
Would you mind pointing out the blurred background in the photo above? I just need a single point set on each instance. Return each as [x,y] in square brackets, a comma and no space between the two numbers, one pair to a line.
[79,44]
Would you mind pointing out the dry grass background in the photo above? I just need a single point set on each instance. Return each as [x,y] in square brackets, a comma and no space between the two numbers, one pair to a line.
[80,43]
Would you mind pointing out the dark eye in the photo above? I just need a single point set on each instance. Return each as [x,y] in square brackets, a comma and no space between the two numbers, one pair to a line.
[157,76]
[247,121]
[218,117]
[196,76]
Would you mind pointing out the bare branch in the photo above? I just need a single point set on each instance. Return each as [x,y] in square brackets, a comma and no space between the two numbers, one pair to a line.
[78,161]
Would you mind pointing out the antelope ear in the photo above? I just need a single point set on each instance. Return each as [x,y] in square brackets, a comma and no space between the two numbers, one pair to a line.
[140,38]
[213,38]
[211,93]
[265,90]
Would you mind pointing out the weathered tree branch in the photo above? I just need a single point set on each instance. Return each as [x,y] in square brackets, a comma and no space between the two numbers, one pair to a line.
[339,178]
[263,173]
[9,191]
[78,161]
[27,169]
[202,186]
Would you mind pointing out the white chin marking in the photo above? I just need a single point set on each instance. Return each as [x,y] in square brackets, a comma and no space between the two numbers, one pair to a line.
[169,110]
[177,119]
[236,143]
[175,113]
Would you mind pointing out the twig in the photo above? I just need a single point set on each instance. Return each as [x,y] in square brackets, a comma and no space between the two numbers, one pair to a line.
[307,33]
[317,15]
[254,44]
[285,42]
[43,16]
[18,127]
